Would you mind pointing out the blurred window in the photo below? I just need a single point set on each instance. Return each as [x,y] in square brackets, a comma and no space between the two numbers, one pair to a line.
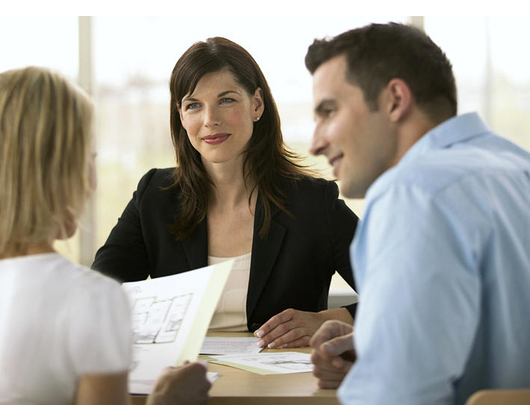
[45,42]
[133,58]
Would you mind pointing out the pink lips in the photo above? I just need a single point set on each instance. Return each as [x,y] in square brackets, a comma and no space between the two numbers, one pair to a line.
[215,138]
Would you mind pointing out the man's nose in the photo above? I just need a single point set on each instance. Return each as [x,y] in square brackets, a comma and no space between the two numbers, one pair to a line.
[318,144]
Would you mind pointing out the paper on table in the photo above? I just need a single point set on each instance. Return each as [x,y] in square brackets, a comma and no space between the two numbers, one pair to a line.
[212,376]
[170,319]
[230,345]
[268,363]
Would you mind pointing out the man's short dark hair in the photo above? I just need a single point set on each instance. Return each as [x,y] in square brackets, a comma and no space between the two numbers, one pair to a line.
[378,53]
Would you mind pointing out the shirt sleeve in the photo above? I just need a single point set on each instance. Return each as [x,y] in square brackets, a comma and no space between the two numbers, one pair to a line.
[417,270]
[100,339]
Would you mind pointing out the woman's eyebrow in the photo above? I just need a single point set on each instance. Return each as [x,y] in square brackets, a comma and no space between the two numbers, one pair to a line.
[226,92]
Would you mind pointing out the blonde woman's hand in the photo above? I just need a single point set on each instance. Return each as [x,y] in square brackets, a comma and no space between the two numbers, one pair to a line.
[186,384]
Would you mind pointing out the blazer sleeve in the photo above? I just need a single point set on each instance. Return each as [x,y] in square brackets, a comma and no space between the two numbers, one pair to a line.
[124,255]
[342,223]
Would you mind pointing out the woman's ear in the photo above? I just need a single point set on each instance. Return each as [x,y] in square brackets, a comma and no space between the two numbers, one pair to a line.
[258,105]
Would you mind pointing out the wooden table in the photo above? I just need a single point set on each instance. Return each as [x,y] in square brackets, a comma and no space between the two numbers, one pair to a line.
[237,386]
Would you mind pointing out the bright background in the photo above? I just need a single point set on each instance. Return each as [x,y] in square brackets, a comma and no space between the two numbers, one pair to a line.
[127,62]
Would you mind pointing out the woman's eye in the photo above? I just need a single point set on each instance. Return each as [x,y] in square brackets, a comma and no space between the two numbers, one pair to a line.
[192,106]
[226,101]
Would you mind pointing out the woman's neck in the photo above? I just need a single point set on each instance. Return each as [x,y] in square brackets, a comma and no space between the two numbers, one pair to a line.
[230,190]
[33,249]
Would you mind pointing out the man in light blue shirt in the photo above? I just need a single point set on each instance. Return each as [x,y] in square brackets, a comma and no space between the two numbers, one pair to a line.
[442,255]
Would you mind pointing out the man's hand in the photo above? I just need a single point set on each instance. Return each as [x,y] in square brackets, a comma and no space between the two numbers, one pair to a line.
[333,353]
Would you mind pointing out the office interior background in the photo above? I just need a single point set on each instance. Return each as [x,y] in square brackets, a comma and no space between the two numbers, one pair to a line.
[125,64]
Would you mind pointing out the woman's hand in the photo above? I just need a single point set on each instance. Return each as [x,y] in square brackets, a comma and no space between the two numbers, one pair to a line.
[294,328]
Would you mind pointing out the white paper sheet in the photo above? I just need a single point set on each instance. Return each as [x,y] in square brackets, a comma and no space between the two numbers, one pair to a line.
[230,345]
[170,319]
[269,363]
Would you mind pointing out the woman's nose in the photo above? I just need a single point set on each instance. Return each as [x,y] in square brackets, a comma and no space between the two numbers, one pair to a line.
[211,117]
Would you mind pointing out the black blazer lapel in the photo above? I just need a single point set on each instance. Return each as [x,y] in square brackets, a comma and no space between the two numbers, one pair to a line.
[264,254]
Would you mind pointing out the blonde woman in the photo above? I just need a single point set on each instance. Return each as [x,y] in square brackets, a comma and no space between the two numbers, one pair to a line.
[64,335]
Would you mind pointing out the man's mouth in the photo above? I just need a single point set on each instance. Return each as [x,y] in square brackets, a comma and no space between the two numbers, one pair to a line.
[335,162]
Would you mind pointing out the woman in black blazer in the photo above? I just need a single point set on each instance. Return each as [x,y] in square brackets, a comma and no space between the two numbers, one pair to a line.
[236,191]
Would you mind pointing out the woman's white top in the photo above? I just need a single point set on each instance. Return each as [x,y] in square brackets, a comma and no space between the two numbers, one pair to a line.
[58,322]
[231,311]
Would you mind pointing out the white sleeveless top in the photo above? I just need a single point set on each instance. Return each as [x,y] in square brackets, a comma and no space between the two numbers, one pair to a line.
[231,311]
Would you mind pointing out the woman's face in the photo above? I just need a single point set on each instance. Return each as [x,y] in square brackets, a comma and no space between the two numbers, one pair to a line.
[219,117]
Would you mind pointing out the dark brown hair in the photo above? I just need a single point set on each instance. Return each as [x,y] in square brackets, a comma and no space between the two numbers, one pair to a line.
[266,156]
[378,53]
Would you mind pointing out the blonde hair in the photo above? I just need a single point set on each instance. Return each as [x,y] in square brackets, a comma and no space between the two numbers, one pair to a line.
[45,137]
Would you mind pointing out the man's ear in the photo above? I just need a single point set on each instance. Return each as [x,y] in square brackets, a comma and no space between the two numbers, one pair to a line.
[398,99]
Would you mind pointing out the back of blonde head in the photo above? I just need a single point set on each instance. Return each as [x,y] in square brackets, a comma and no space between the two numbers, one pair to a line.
[45,135]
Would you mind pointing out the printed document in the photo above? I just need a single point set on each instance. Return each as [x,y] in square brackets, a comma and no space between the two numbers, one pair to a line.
[170,317]
[230,345]
[268,363]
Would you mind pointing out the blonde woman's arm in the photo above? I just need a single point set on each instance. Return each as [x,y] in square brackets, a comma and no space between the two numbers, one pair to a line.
[103,389]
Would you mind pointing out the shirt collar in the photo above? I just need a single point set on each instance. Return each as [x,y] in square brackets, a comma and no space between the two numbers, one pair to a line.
[455,130]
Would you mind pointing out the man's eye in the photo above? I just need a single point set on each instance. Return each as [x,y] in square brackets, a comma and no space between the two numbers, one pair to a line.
[326,112]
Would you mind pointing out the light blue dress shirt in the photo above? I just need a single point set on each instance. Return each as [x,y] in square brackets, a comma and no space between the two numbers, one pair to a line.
[442,265]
